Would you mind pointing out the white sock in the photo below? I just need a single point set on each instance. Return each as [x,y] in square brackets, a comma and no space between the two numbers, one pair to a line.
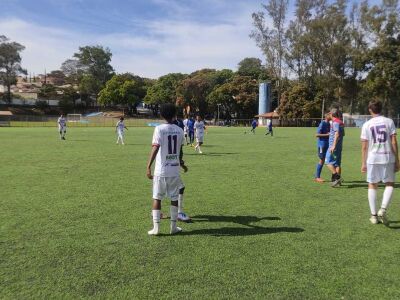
[180,204]
[199,149]
[156,219]
[372,200]
[174,214]
[387,196]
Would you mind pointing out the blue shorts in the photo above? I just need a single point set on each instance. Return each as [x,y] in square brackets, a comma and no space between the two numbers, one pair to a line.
[334,158]
[322,152]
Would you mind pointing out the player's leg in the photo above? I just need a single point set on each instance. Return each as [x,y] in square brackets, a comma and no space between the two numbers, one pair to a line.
[173,186]
[159,193]
[372,195]
[320,164]
[272,132]
[333,162]
[122,138]
[388,178]
[64,133]
[181,215]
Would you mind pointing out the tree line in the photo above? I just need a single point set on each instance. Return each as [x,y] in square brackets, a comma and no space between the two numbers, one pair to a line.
[327,52]
[331,52]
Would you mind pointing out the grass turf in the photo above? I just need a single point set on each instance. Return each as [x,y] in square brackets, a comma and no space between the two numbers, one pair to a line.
[74,218]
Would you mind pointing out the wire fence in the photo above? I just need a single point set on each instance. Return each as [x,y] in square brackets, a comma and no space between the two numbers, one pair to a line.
[101,121]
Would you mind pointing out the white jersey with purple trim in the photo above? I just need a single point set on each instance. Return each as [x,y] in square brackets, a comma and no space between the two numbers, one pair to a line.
[61,122]
[170,138]
[120,126]
[378,132]
[199,127]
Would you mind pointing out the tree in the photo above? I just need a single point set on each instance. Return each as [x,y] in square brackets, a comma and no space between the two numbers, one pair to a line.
[272,40]
[48,91]
[95,60]
[251,66]
[122,89]
[10,63]
[164,89]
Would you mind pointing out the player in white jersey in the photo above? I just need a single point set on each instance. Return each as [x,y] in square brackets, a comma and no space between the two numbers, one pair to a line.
[168,140]
[199,128]
[62,126]
[380,159]
[186,129]
[119,129]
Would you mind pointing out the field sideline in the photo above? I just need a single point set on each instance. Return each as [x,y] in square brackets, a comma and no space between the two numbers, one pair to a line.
[75,214]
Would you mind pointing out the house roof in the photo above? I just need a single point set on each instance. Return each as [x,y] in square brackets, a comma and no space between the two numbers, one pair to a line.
[5,113]
[272,114]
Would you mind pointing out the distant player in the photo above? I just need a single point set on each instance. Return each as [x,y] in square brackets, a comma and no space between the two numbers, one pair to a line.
[62,126]
[323,145]
[191,130]
[119,129]
[199,128]
[167,152]
[181,215]
[254,125]
[186,130]
[379,159]
[333,158]
[269,127]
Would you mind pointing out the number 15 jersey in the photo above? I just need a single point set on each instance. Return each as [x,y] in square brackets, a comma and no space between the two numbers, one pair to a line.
[169,138]
[378,132]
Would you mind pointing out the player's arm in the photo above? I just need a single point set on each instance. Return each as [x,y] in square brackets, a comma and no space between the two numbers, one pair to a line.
[126,127]
[181,161]
[322,135]
[395,150]
[364,154]
[337,135]
[152,157]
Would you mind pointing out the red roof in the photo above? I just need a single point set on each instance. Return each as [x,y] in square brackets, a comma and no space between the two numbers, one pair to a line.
[272,114]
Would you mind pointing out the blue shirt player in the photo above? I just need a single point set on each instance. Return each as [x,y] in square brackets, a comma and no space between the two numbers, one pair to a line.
[190,125]
[254,125]
[323,145]
[333,158]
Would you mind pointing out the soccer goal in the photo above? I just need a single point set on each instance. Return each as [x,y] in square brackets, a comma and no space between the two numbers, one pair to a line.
[355,120]
[74,117]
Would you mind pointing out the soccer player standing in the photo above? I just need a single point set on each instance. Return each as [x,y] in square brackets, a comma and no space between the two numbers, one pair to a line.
[166,150]
[380,159]
[186,129]
[323,145]
[119,129]
[62,126]
[269,127]
[199,132]
[191,130]
[334,155]
[254,125]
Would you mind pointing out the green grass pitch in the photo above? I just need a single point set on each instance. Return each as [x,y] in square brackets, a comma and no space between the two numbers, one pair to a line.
[75,214]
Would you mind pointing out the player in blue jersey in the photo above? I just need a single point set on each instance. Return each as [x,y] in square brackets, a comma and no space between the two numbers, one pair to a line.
[190,125]
[269,127]
[254,125]
[334,155]
[323,145]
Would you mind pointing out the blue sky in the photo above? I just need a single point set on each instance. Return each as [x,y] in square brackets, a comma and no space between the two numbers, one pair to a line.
[147,37]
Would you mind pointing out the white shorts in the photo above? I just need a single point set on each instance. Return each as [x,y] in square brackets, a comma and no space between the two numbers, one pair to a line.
[62,128]
[199,138]
[167,187]
[120,133]
[380,173]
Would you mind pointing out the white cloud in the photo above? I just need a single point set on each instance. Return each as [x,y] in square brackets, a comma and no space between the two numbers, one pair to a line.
[167,46]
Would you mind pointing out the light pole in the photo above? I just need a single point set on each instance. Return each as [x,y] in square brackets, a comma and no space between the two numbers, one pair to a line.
[218,104]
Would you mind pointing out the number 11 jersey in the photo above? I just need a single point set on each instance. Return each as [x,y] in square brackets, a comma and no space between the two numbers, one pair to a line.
[378,132]
[169,138]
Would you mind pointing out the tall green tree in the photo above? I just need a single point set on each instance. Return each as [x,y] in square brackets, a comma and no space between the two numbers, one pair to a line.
[122,89]
[10,63]
[164,89]
[271,39]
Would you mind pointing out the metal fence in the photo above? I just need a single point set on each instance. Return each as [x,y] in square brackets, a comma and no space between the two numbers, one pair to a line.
[51,121]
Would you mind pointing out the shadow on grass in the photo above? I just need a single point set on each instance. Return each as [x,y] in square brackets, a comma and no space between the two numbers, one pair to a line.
[362,184]
[241,231]
[394,227]
[211,154]
[238,231]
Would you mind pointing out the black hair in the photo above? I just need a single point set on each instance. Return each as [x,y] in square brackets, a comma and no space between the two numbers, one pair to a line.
[168,111]
[375,106]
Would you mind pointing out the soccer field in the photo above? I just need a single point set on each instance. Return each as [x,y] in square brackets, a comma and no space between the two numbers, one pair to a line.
[75,214]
